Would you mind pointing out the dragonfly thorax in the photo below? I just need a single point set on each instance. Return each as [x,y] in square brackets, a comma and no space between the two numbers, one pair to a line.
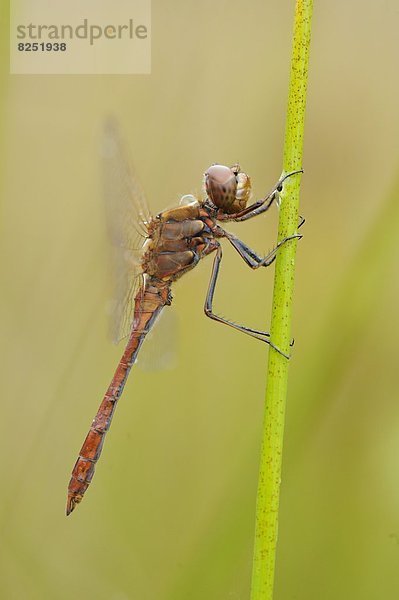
[227,188]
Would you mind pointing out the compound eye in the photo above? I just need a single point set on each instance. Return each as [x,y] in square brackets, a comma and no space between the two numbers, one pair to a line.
[221,185]
[219,174]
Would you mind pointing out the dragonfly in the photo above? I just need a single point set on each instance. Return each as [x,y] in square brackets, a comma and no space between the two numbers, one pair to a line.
[174,242]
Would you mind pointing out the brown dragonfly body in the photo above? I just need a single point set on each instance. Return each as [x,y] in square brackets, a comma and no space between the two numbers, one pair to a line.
[177,240]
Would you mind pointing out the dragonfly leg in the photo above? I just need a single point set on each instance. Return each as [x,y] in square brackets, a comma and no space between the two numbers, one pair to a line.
[260,206]
[208,308]
[250,257]
[264,204]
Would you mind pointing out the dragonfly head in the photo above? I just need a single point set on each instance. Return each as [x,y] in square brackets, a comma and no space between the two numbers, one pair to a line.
[227,187]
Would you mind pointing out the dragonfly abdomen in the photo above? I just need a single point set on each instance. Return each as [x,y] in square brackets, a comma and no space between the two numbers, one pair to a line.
[149,301]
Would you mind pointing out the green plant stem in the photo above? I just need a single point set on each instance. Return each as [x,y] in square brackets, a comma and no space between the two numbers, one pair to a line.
[267,505]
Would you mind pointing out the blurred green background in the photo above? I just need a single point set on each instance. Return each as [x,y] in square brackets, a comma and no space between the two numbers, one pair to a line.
[170,514]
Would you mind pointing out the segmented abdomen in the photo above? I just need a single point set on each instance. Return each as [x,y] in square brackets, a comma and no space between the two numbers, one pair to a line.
[149,301]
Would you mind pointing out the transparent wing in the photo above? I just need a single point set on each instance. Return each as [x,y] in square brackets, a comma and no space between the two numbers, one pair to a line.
[160,351]
[127,216]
